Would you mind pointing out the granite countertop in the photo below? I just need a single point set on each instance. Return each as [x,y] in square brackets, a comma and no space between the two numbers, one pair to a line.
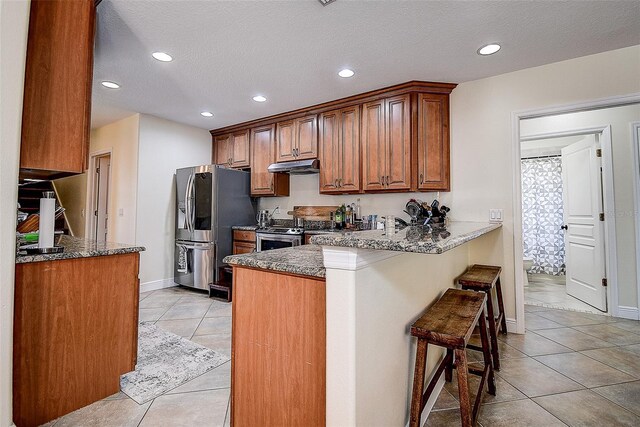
[75,247]
[304,260]
[245,227]
[418,239]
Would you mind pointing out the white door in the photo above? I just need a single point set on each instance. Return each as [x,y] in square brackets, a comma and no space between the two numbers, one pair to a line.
[103,166]
[584,234]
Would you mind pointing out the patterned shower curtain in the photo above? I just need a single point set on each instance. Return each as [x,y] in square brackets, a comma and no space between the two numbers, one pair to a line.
[542,237]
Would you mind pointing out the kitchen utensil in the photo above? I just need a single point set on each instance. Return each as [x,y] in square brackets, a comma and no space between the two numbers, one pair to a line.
[263,218]
[298,222]
[42,251]
[313,213]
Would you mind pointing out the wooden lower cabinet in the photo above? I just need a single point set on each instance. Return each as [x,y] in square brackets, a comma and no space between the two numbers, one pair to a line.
[244,242]
[75,333]
[278,359]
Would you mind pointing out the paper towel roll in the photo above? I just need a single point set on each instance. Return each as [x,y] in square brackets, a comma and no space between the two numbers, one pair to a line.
[47,220]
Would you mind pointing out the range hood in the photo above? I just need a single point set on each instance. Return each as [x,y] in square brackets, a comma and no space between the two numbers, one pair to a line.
[296,167]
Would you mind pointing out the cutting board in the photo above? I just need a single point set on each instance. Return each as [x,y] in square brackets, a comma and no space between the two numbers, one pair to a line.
[313,213]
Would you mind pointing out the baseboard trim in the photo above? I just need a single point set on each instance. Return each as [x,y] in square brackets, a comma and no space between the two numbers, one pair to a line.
[157,284]
[628,312]
[512,326]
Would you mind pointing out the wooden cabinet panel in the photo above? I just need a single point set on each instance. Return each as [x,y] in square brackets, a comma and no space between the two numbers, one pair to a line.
[433,142]
[285,141]
[329,151]
[398,139]
[221,146]
[374,146]
[350,169]
[244,235]
[263,153]
[75,333]
[239,149]
[306,138]
[56,111]
[278,353]
[297,139]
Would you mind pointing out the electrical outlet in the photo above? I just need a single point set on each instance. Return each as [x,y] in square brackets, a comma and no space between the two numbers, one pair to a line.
[495,215]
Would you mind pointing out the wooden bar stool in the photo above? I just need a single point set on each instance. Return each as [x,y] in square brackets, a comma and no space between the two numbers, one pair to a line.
[449,323]
[484,278]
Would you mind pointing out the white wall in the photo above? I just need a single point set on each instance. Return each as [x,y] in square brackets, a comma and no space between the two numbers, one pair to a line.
[620,119]
[164,146]
[481,132]
[121,138]
[14,23]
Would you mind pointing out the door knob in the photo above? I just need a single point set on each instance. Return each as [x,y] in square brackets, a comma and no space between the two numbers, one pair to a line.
[564,227]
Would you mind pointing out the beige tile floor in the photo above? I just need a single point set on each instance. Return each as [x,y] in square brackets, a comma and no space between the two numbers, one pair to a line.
[570,368]
[203,401]
[550,291]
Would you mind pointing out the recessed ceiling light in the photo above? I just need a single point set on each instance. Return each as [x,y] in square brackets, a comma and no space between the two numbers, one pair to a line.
[161,56]
[259,98]
[110,85]
[346,73]
[489,49]
[206,114]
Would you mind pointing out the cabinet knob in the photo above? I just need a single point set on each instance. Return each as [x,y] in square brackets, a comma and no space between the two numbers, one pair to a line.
[387,180]
[421,178]
[340,181]
[382,180]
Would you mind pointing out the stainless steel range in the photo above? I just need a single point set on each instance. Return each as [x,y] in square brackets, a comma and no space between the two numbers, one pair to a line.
[278,237]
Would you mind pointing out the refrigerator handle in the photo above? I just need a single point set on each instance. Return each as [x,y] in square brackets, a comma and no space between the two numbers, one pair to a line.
[188,203]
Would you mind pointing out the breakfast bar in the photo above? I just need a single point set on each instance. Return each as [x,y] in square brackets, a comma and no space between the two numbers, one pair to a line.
[312,325]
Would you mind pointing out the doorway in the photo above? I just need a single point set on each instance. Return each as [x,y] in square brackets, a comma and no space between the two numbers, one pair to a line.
[564,251]
[101,177]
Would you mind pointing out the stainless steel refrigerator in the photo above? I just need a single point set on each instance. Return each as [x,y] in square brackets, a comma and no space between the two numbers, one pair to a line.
[209,200]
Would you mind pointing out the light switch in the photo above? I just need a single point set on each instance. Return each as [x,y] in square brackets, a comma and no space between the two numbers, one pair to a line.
[120,212]
[495,215]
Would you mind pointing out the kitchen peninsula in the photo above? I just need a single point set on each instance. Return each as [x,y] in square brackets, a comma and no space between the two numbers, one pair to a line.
[75,327]
[321,332]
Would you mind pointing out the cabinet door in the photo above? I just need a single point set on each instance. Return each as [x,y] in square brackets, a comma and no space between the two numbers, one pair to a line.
[285,141]
[374,147]
[221,144]
[239,149]
[433,142]
[56,112]
[398,138]
[263,153]
[328,151]
[349,150]
[306,138]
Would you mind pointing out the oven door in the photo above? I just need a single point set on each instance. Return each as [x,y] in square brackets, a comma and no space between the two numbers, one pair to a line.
[267,241]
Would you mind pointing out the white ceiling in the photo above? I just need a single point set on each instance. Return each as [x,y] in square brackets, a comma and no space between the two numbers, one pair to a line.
[225,52]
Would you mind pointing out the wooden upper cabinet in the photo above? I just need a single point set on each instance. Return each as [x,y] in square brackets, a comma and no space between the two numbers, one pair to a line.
[263,153]
[56,111]
[297,139]
[433,142]
[339,150]
[239,149]
[398,140]
[221,144]
[386,144]
[232,149]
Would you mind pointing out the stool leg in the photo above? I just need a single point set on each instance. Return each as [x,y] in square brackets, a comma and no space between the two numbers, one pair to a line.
[487,355]
[418,383]
[503,326]
[463,387]
[492,332]
[448,373]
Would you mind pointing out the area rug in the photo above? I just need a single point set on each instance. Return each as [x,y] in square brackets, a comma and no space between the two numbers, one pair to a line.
[165,361]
